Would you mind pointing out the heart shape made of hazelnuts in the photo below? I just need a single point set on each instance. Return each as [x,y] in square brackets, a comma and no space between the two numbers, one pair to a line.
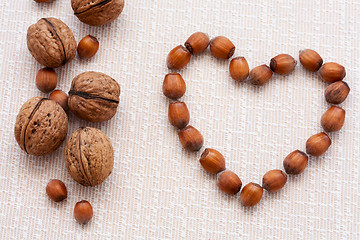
[213,161]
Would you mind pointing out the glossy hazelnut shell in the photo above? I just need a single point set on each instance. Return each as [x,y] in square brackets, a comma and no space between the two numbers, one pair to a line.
[191,139]
[318,144]
[310,59]
[296,162]
[333,119]
[212,161]
[337,92]
[274,180]
[221,47]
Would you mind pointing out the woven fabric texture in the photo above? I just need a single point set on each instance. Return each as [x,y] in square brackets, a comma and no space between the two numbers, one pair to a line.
[157,190]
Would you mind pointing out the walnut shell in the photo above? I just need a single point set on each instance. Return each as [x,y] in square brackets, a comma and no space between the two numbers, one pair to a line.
[51,42]
[89,156]
[41,126]
[94,96]
[97,12]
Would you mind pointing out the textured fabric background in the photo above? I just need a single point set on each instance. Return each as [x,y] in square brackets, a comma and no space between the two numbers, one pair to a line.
[157,190]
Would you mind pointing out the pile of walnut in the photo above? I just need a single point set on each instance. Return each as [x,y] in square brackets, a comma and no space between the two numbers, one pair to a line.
[42,123]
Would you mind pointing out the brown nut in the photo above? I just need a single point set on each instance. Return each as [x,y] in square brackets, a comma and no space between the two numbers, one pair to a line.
[295,162]
[88,46]
[174,86]
[333,119]
[229,182]
[83,212]
[46,80]
[332,72]
[221,47]
[94,96]
[191,139]
[178,58]
[212,161]
[260,75]
[283,64]
[41,126]
[61,98]
[337,92]
[274,180]
[56,190]
[251,194]
[179,115]
[317,144]
[89,156]
[51,42]
[97,12]
[197,42]
[310,59]
[239,69]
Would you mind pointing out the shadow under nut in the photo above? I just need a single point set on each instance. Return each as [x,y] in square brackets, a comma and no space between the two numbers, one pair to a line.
[51,42]
[89,156]
[98,12]
[94,96]
[41,126]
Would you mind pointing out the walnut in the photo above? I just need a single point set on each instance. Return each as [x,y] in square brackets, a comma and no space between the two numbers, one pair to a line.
[97,12]
[41,126]
[94,96]
[51,42]
[89,156]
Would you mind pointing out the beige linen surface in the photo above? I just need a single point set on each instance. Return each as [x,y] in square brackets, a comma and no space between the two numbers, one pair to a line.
[157,190]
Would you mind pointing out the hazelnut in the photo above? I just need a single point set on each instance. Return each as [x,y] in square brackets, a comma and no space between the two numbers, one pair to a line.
[83,212]
[260,75]
[310,59]
[333,119]
[274,180]
[191,139]
[337,92]
[197,42]
[51,42]
[332,72]
[61,98]
[239,69]
[317,144]
[212,161]
[221,47]
[178,58]
[283,64]
[251,194]
[41,126]
[295,162]
[98,12]
[88,46]
[179,115]
[46,80]
[174,86]
[229,182]
[89,156]
[94,96]
[56,190]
